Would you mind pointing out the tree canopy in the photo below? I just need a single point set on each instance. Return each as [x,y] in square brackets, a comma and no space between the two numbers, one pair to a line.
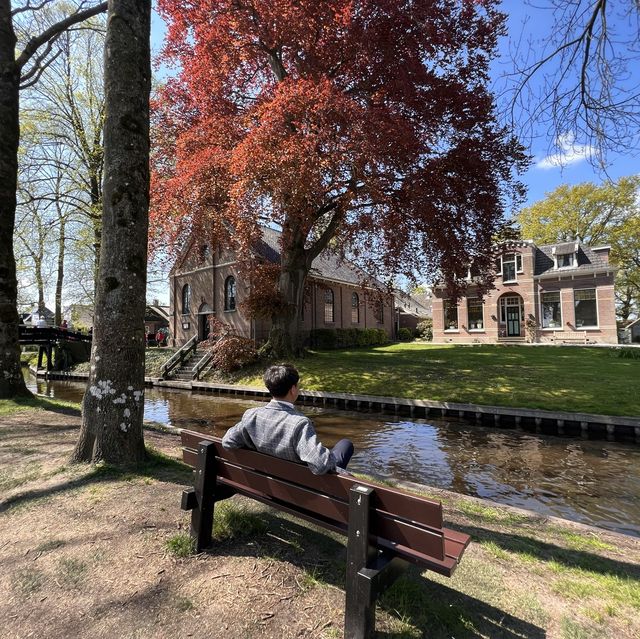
[366,124]
[605,214]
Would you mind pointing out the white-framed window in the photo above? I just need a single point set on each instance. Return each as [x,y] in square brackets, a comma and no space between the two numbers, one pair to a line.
[511,300]
[230,294]
[475,314]
[565,260]
[186,299]
[510,264]
[355,308]
[329,316]
[586,307]
[550,309]
[450,315]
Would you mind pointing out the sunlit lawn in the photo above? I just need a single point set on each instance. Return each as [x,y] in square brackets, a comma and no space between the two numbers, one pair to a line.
[592,380]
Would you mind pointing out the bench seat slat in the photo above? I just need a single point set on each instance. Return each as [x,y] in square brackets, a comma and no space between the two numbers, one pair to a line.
[444,567]
[383,525]
[410,507]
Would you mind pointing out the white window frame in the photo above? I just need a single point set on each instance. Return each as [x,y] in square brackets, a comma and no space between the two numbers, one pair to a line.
[503,307]
[517,258]
[573,261]
[551,328]
[592,327]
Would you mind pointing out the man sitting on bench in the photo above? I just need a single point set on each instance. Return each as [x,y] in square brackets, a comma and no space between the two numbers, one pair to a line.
[280,430]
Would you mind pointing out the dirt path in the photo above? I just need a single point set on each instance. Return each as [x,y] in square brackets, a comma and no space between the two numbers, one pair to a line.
[83,553]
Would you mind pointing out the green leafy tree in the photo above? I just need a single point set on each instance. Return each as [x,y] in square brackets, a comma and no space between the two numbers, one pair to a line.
[605,214]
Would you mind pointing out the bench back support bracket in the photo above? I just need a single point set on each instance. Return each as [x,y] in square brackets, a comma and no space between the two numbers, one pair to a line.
[205,487]
[369,572]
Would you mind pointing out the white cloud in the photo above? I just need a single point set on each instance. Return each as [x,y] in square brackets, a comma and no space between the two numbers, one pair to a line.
[568,153]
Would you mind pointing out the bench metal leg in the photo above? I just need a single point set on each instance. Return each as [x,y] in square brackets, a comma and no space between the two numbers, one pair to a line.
[203,495]
[369,573]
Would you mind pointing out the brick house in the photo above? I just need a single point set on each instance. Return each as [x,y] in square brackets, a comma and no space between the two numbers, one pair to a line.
[205,281]
[551,293]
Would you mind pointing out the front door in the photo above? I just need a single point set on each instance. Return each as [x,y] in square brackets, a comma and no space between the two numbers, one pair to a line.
[513,321]
[204,328]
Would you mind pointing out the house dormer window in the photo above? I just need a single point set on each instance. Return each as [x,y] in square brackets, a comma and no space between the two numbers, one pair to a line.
[564,260]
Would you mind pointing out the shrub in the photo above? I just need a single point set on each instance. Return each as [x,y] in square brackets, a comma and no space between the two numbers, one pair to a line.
[232,352]
[627,353]
[323,338]
[329,338]
[425,329]
[405,334]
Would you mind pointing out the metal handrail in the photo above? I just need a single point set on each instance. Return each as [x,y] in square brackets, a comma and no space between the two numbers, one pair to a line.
[179,356]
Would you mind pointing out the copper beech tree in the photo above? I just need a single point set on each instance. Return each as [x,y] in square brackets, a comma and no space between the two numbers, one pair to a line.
[363,126]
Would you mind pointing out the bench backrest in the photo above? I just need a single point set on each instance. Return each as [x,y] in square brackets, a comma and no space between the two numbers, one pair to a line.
[404,524]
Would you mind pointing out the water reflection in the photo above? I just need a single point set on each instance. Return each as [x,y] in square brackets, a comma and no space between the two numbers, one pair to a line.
[594,482]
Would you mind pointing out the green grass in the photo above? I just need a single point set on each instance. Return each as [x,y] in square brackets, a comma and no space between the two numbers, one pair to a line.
[231,521]
[19,404]
[591,380]
[180,545]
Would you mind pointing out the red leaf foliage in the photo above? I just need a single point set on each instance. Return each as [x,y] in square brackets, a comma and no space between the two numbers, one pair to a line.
[367,123]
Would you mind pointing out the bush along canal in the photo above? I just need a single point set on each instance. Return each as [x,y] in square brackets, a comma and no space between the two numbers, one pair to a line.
[596,482]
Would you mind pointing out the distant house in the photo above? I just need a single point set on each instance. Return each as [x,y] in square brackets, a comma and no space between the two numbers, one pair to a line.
[631,332]
[205,281]
[550,293]
[32,317]
[156,317]
[79,315]
[411,309]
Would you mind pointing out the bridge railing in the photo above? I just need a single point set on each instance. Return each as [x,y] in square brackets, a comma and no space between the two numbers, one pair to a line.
[35,335]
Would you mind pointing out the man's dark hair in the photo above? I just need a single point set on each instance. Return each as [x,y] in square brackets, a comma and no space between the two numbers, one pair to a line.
[280,378]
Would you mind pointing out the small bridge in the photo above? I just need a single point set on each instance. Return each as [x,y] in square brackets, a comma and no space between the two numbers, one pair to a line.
[47,338]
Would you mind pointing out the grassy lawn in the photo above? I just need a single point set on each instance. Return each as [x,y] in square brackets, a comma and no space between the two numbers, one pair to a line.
[591,380]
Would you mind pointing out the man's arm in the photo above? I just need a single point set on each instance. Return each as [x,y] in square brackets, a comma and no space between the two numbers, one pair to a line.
[235,437]
[319,458]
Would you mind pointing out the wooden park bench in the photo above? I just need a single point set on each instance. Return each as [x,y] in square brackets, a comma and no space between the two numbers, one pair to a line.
[386,528]
[571,337]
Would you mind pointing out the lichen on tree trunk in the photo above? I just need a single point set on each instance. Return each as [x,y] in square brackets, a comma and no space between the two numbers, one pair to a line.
[113,404]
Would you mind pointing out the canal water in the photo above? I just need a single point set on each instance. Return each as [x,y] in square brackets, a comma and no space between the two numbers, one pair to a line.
[593,482]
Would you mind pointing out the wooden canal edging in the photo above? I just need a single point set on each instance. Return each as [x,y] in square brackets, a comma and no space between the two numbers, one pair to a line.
[562,423]
[541,421]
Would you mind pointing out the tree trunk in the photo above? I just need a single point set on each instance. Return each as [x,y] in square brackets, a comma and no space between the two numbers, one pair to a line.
[114,401]
[11,381]
[60,278]
[285,340]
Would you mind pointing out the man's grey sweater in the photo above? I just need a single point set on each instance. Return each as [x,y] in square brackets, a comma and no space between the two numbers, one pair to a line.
[280,430]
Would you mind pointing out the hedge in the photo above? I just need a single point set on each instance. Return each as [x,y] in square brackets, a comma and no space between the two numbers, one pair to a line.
[335,338]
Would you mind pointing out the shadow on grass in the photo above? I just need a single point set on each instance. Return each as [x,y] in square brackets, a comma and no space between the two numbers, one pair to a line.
[425,608]
[156,466]
[549,552]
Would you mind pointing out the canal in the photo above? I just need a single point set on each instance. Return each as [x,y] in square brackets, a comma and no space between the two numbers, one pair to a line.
[593,482]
